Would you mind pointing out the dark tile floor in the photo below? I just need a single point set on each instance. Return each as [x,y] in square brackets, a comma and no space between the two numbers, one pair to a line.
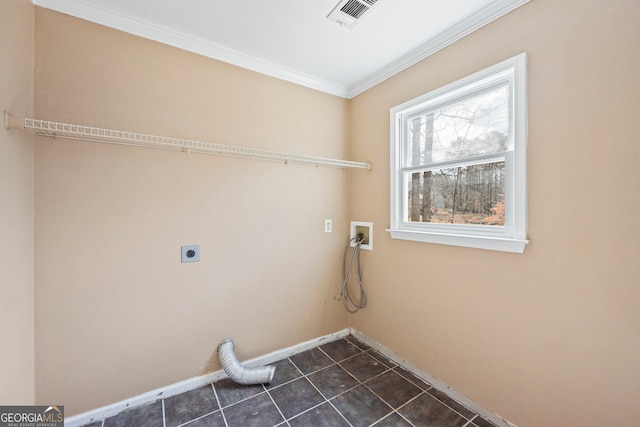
[342,383]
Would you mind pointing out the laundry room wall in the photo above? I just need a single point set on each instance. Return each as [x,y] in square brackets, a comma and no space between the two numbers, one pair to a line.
[117,313]
[550,337]
[16,207]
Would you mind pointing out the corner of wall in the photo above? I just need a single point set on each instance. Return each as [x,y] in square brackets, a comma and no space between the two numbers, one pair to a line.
[17,362]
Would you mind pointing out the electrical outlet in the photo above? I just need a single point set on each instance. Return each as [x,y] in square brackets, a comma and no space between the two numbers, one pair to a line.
[190,253]
[328,226]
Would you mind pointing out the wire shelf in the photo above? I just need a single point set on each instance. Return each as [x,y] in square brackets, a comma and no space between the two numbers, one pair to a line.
[87,133]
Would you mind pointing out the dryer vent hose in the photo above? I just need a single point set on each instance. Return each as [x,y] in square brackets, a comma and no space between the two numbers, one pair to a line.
[239,373]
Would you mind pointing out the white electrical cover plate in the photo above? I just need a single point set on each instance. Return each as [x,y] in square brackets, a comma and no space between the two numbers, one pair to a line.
[190,253]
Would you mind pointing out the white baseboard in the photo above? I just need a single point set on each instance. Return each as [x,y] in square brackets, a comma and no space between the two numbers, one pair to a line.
[435,382]
[196,382]
[295,349]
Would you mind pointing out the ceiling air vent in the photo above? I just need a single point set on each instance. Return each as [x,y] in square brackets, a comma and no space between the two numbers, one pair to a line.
[350,12]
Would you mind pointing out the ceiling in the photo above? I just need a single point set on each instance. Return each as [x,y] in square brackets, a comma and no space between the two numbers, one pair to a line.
[293,39]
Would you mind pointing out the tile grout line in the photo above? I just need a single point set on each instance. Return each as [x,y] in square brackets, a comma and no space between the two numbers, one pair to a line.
[340,366]
[349,373]
[321,394]
[435,397]
[264,390]
[277,407]
[215,393]
[199,417]
[449,407]
[186,423]
[470,421]
[289,382]
[309,409]
[361,383]
[391,413]
[412,381]
[358,382]
[164,416]
[393,410]
[321,369]
[410,400]
[475,414]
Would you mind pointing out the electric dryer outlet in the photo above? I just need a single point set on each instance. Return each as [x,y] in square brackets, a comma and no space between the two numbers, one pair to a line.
[190,253]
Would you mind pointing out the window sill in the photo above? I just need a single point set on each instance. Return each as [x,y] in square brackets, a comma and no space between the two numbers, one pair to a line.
[478,242]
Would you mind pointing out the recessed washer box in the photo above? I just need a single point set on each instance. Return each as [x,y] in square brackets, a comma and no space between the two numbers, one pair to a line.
[190,253]
[364,228]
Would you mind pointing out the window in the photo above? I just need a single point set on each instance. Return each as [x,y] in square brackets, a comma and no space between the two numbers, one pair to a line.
[458,165]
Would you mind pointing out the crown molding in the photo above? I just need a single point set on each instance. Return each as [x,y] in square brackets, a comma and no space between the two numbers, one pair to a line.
[463,28]
[111,19]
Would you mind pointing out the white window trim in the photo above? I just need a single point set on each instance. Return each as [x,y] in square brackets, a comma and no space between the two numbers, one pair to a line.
[508,239]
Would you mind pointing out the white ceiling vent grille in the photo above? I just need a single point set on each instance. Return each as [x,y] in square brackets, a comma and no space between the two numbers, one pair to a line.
[350,12]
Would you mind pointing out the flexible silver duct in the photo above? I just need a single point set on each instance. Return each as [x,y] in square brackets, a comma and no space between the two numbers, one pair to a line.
[239,373]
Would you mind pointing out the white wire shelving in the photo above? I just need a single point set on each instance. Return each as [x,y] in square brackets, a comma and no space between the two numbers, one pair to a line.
[110,136]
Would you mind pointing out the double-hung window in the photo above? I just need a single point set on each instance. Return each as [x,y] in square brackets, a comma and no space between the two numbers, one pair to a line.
[458,162]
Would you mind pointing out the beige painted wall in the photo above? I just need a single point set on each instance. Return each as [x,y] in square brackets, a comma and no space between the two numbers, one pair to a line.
[550,337]
[16,207]
[117,314]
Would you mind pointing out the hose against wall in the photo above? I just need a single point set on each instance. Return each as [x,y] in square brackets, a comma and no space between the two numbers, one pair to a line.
[239,373]
[351,303]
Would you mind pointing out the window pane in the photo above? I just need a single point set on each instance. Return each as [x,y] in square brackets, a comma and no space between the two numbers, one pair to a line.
[458,195]
[473,126]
